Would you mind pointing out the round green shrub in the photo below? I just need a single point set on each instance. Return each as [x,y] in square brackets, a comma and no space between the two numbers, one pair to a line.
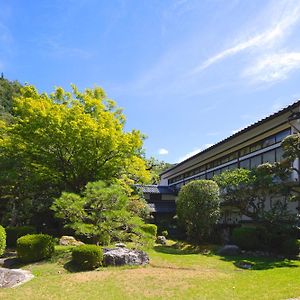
[291,247]
[246,238]
[198,208]
[87,257]
[35,247]
[2,240]
[13,233]
[150,228]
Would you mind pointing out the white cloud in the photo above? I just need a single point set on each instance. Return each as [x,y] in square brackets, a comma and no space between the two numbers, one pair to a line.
[163,151]
[274,67]
[194,152]
[289,16]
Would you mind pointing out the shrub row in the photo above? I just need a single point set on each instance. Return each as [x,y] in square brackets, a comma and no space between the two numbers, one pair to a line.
[35,247]
[87,257]
[2,240]
[258,238]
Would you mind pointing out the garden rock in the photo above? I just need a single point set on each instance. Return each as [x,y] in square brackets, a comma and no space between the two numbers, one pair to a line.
[230,250]
[13,277]
[124,256]
[161,240]
[67,240]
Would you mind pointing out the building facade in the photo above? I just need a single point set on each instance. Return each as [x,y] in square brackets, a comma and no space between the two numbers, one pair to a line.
[256,144]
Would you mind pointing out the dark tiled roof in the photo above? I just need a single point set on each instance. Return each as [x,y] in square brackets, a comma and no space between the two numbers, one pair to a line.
[282,111]
[156,189]
[163,207]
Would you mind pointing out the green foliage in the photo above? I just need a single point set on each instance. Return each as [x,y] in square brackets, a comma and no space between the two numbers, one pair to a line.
[248,189]
[35,247]
[13,233]
[291,247]
[156,167]
[165,233]
[150,228]
[198,208]
[246,238]
[60,142]
[101,213]
[2,240]
[8,90]
[87,257]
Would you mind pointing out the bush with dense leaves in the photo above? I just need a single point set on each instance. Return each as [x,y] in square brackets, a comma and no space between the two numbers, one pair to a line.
[198,208]
[13,233]
[2,240]
[87,257]
[246,238]
[150,228]
[35,247]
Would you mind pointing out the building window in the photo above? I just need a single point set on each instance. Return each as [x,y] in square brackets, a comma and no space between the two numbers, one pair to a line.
[268,142]
[245,164]
[281,135]
[209,175]
[269,157]
[255,161]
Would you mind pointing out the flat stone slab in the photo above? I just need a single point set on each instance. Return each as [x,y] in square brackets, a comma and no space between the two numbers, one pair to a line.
[13,277]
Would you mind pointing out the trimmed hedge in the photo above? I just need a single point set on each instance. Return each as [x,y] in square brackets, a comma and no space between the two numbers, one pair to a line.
[87,257]
[35,247]
[150,228]
[13,233]
[246,238]
[2,240]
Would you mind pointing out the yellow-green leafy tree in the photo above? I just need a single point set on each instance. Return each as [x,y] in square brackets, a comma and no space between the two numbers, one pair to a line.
[62,141]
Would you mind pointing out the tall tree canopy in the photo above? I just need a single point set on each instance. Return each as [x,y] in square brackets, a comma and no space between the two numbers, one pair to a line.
[8,90]
[62,141]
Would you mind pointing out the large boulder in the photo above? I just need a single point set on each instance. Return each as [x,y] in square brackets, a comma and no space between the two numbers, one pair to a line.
[230,250]
[13,277]
[67,240]
[123,256]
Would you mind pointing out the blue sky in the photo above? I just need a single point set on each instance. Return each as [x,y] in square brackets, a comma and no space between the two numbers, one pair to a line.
[188,73]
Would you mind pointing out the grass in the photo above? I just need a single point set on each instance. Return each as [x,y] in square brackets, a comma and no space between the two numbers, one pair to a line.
[177,271]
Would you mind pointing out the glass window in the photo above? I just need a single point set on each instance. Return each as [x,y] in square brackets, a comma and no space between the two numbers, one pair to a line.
[255,161]
[232,166]
[245,151]
[279,153]
[209,175]
[268,142]
[245,164]
[202,168]
[217,172]
[255,147]
[269,157]
[209,166]
[233,156]
[281,135]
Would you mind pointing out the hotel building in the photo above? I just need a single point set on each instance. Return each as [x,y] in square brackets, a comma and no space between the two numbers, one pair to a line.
[256,144]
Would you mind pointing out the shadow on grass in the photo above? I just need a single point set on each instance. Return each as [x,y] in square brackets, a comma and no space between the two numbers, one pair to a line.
[182,248]
[260,263]
[71,267]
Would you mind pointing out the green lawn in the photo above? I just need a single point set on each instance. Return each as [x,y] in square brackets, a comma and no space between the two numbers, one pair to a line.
[174,273]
